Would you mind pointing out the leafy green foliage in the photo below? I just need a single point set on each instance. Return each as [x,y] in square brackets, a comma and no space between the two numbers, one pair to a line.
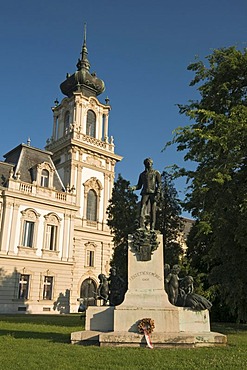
[169,220]
[122,215]
[216,143]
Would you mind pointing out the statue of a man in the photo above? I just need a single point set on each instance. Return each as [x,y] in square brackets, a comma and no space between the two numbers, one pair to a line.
[150,183]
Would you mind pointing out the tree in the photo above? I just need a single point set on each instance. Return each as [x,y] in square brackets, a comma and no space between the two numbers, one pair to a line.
[122,215]
[169,220]
[216,196]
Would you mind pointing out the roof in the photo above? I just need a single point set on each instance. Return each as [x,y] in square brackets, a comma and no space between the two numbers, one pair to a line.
[5,169]
[23,159]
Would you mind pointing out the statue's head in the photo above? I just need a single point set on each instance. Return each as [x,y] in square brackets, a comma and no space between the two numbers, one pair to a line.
[175,269]
[189,279]
[148,162]
[101,277]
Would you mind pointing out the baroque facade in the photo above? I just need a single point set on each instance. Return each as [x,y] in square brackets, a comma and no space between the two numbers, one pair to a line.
[54,238]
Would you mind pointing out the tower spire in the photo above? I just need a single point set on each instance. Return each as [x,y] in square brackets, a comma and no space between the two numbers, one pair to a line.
[85,33]
[82,80]
[84,62]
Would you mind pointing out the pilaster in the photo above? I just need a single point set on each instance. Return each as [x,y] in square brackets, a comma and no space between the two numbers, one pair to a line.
[13,230]
[6,222]
[66,240]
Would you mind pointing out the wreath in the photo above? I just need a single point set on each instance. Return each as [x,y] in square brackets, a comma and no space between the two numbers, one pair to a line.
[146,326]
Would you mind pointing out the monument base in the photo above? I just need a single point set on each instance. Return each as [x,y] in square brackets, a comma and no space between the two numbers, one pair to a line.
[158,340]
[146,298]
[177,327]
[162,340]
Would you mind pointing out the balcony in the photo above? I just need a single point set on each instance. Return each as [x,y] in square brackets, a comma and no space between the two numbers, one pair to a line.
[41,192]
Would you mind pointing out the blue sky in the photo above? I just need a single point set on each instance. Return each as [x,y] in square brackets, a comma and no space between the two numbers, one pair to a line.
[140,48]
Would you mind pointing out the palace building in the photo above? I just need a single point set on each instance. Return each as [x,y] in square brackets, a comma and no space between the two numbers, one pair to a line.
[54,238]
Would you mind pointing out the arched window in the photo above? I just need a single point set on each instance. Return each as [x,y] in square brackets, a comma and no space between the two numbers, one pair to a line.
[87,292]
[66,121]
[43,173]
[91,205]
[91,124]
[44,179]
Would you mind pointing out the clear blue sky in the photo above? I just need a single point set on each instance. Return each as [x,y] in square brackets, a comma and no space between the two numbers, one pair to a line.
[140,48]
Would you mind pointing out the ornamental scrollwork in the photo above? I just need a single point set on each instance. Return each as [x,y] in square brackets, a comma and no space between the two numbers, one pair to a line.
[144,243]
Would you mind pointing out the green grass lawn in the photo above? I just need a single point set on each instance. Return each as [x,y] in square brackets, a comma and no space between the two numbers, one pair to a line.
[43,342]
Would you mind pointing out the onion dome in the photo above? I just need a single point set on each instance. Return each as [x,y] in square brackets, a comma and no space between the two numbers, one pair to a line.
[82,80]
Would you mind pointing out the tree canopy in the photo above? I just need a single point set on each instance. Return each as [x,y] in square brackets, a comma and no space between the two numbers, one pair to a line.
[216,143]
[122,215]
[169,220]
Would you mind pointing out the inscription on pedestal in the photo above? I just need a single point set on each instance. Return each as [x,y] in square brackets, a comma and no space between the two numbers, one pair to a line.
[145,275]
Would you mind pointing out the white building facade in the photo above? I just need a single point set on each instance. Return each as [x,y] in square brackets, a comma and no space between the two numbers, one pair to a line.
[54,238]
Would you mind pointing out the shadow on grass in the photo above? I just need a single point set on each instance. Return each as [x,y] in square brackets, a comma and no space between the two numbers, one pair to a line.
[49,336]
[227,328]
[71,320]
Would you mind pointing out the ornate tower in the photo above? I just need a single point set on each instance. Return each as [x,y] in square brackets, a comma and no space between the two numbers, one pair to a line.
[84,157]
[82,151]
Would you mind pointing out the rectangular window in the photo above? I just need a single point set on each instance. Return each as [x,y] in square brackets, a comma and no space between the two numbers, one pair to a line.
[51,237]
[44,180]
[90,258]
[47,291]
[27,240]
[23,286]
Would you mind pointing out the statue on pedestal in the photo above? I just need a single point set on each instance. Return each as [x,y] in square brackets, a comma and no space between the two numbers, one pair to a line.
[150,184]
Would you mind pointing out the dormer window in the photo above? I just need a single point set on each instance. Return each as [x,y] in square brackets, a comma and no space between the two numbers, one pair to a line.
[44,179]
[91,124]
[43,175]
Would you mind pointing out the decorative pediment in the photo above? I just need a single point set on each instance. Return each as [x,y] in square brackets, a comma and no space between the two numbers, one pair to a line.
[30,214]
[90,245]
[45,166]
[52,218]
[94,184]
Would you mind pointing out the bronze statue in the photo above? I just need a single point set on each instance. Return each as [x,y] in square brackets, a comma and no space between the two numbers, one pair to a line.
[103,290]
[150,183]
[187,297]
[172,284]
[116,287]
[181,291]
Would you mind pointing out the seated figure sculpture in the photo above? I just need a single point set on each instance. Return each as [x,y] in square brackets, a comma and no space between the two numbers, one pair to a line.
[187,297]
[181,291]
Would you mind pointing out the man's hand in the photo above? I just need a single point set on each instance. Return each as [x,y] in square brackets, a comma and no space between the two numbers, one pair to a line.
[133,188]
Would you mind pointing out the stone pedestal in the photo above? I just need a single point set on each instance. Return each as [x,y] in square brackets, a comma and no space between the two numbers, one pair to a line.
[146,298]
